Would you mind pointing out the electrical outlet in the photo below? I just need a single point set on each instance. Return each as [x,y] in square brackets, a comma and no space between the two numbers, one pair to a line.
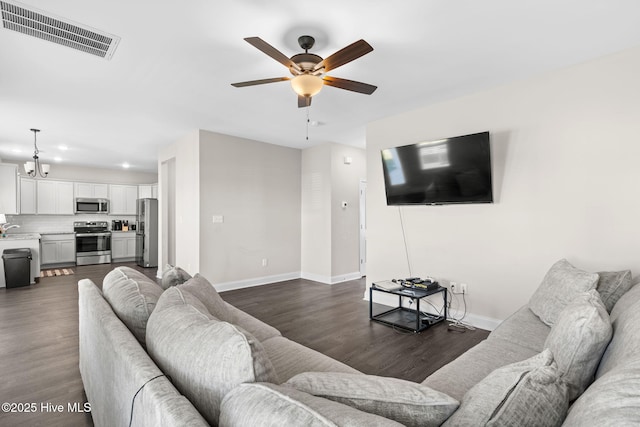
[265,262]
[458,288]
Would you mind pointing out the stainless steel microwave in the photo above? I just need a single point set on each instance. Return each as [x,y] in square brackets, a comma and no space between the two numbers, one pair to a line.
[97,206]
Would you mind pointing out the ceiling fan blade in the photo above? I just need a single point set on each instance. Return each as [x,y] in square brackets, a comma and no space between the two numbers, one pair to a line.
[349,85]
[304,101]
[353,51]
[260,82]
[265,47]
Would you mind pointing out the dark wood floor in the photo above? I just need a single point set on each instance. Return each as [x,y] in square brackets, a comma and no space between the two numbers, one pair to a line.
[39,338]
[334,320]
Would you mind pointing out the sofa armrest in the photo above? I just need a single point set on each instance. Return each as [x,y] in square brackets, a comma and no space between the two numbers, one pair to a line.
[114,366]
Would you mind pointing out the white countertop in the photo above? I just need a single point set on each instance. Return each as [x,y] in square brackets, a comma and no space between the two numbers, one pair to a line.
[43,233]
[20,236]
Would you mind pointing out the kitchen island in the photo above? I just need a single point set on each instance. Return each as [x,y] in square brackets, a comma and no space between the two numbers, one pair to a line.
[22,240]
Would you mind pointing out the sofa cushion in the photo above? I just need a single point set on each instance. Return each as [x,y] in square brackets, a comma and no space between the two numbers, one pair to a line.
[200,287]
[458,376]
[612,285]
[559,286]
[271,405]
[204,357]
[254,326]
[627,300]
[407,402]
[613,400]
[523,328]
[527,393]
[290,358]
[173,276]
[578,339]
[625,343]
[132,296]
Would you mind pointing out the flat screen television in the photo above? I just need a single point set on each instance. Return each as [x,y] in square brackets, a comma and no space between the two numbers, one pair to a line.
[452,170]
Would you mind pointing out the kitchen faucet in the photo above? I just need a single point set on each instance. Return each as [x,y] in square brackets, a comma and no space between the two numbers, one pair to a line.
[4,227]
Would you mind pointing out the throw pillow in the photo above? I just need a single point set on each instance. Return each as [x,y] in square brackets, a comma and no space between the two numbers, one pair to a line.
[612,285]
[271,405]
[558,288]
[406,402]
[204,357]
[527,393]
[132,296]
[173,276]
[578,340]
[200,288]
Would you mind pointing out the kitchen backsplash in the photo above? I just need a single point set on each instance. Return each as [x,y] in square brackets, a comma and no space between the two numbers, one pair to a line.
[57,223]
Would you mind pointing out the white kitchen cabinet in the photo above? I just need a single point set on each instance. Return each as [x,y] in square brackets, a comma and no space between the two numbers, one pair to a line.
[8,189]
[148,191]
[123,246]
[57,250]
[89,190]
[54,197]
[144,191]
[123,199]
[28,204]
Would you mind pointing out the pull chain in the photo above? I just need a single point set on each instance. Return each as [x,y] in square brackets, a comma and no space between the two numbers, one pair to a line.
[308,108]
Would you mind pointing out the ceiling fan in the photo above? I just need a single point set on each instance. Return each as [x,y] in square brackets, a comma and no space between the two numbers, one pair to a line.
[309,69]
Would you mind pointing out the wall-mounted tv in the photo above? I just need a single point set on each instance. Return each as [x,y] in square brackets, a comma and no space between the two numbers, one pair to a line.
[452,170]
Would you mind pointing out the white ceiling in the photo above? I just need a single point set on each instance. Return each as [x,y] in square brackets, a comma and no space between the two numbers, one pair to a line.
[172,71]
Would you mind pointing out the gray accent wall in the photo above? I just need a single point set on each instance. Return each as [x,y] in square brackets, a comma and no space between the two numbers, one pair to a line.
[255,188]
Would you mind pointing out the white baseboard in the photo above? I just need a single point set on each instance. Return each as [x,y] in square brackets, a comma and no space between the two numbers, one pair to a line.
[256,281]
[331,280]
[476,320]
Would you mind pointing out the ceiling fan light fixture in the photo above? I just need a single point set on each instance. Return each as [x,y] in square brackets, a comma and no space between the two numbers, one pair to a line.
[306,85]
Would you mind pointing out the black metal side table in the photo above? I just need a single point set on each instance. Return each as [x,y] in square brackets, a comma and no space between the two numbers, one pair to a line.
[404,317]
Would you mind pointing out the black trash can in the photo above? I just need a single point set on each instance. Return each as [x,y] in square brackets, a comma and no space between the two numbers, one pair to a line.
[17,267]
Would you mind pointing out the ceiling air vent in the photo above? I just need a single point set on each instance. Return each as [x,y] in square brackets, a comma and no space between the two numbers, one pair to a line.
[37,23]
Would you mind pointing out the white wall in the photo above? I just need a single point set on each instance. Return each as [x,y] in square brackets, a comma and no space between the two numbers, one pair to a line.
[345,222]
[564,150]
[255,187]
[330,233]
[187,201]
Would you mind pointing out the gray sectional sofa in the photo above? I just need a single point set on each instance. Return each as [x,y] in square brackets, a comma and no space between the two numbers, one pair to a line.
[182,356]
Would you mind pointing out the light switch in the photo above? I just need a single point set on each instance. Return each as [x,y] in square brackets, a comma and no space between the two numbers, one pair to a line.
[218,219]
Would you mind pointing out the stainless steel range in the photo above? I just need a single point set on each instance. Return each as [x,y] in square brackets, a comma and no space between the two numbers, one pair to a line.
[93,242]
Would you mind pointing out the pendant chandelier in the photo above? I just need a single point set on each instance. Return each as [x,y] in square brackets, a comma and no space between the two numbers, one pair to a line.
[35,168]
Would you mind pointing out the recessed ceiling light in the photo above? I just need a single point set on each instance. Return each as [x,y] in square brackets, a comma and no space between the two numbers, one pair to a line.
[63,147]
[17,150]
[57,159]
[125,165]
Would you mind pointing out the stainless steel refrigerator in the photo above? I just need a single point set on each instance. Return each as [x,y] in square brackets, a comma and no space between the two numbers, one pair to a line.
[147,232]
